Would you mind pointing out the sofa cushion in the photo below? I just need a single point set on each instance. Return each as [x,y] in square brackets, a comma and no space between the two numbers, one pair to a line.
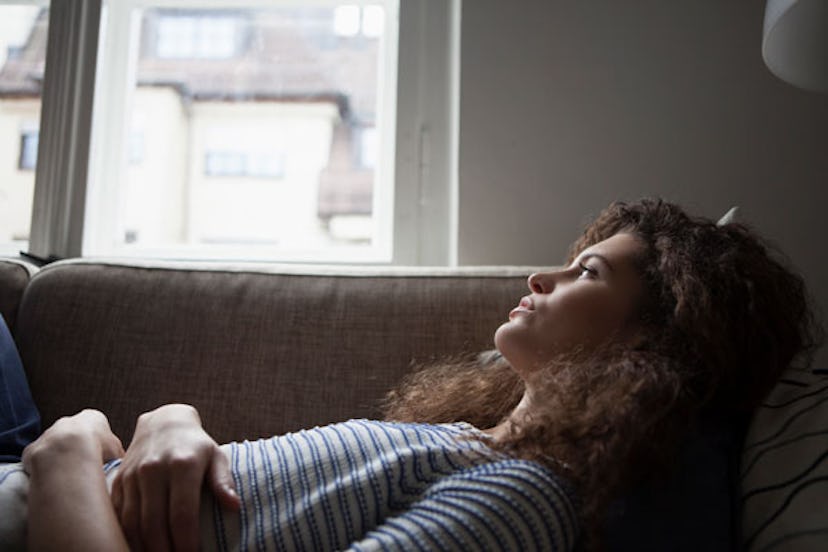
[259,351]
[14,277]
[785,467]
[693,507]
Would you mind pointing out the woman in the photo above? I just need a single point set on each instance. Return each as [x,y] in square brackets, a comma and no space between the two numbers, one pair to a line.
[605,366]
[19,418]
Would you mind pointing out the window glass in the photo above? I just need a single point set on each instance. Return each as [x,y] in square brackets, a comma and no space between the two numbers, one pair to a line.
[373,21]
[252,126]
[23,31]
[346,20]
[28,149]
[197,36]
[368,148]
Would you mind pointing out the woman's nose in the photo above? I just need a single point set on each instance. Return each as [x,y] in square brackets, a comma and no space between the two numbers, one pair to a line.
[541,282]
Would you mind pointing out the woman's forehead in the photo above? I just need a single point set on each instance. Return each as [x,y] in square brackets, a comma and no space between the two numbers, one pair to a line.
[622,246]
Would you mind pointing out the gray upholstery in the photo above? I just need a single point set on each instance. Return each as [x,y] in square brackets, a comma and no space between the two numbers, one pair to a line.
[257,353]
[14,276]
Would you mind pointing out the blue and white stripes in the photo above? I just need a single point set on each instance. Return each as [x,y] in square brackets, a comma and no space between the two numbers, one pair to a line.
[368,485]
[14,489]
[365,485]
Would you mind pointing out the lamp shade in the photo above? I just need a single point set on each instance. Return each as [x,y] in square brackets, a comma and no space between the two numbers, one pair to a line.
[795,42]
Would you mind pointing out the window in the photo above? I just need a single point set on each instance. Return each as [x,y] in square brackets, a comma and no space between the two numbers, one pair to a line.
[368,148]
[221,125]
[20,101]
[262,135]
[346,20]
[28,150]
[225,163]
[197,36]
[136,147]
[248,164]
[373,21]
[351,20]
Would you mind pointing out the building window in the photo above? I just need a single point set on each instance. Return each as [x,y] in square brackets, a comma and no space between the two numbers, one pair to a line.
[237,163]
[198,36]
[264,165]
[351,20]
[136,147]
[346,20]
[224,163]
[368,148]
[28,150]
[373,21]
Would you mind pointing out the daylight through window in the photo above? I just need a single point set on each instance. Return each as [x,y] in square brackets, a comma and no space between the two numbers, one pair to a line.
[261,133]
[21,74]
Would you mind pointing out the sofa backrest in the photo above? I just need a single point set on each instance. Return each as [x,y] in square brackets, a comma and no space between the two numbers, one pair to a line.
[14,277]
[258,350]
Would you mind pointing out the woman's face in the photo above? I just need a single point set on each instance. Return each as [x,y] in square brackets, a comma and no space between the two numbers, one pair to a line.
[579,306]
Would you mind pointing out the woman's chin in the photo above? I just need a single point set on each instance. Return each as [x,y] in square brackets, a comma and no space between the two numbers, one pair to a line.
[505,340]
[498,335]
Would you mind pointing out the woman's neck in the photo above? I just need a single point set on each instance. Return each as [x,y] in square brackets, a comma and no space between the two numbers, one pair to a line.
[504,428]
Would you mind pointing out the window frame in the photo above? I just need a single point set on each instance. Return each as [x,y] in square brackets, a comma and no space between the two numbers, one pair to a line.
[421,217]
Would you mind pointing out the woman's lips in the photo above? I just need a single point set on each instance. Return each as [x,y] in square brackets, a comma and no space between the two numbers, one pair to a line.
[524,307]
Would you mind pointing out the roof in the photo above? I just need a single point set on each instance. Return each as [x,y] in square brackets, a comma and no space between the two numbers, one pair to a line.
[278,54]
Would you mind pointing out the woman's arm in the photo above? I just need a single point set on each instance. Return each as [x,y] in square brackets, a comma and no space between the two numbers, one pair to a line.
[503,506]
[68,504]
[157,490]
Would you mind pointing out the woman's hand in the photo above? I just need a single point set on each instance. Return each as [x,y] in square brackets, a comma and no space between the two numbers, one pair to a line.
[68,505]
[157,490]
[83,438]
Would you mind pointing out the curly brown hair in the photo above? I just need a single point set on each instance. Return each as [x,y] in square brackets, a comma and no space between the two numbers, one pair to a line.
[722,317]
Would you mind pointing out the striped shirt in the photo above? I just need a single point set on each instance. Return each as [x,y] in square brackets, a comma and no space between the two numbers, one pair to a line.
[366,485]
[370,485]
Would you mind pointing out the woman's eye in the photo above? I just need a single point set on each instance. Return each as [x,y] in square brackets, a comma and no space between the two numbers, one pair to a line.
[587,272]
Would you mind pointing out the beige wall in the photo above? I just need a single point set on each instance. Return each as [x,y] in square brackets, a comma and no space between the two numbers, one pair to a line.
[16,186]
[168,199]
[155,193]
[171,201]
[568,105]
[270,210]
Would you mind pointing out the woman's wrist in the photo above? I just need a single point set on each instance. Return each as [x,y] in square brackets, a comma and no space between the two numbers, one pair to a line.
[171,415]
[82,439]
[64,448]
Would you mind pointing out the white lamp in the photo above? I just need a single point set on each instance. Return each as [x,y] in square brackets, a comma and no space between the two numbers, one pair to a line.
[795,42]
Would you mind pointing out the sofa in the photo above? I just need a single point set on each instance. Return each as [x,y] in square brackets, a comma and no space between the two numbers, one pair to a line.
[263,349]
[259,350]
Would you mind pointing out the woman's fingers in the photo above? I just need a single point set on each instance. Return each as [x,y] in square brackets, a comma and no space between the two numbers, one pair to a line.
[153,487]
[221,481]
[129,513]
[168,460]
[111,447]
[85,435]
[157,501]
[117,494]
[185,495]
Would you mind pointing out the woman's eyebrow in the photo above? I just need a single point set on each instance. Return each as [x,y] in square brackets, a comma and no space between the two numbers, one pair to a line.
[600,257]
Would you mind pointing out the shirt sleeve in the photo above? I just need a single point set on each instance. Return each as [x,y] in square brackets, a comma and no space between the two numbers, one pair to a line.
[19,418]
[507,505]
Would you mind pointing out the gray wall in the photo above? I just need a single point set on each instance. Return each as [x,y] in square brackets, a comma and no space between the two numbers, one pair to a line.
[568,105]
